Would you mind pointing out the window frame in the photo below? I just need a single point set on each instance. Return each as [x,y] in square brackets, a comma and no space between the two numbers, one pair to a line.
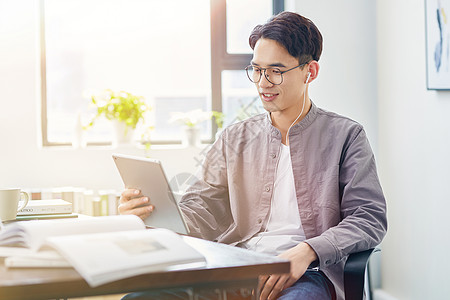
[221,60]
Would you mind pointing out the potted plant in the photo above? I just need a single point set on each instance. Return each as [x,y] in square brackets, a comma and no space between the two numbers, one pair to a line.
[190,120]
[123,108]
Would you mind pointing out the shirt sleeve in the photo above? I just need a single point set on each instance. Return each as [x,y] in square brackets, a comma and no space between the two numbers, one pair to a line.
[363,207]
[205,205]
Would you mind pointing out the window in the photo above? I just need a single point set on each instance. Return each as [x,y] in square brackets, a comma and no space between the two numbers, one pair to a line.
[232,92]
[161,50]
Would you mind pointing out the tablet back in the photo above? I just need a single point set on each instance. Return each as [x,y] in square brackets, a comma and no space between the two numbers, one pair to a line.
[148,176]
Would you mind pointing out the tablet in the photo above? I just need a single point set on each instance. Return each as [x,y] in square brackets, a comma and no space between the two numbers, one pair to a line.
[148,176]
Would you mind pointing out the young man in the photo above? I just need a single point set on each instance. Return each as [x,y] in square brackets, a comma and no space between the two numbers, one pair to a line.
[299,182]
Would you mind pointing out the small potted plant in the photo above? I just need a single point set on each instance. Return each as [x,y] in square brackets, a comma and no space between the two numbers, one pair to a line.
[190,120]
[123,108]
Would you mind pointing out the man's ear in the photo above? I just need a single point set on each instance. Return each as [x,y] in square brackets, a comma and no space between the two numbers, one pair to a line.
[313,68]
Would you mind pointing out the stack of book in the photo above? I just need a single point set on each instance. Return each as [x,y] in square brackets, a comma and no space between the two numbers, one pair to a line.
[84,201]
[46,209]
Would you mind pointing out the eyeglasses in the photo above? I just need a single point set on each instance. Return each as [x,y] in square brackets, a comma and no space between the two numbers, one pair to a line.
[273,75]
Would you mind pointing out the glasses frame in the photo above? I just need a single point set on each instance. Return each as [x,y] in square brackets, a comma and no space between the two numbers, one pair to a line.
[265,74]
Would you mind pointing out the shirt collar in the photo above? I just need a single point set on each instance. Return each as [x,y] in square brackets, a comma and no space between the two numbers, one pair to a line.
[304,123]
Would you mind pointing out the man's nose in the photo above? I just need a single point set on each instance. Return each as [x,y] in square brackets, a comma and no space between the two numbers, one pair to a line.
[264,82]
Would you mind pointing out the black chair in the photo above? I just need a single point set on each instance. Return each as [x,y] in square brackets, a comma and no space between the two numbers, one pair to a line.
[354,274]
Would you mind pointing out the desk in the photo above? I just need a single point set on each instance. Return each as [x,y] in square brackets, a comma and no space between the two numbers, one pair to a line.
[227,266]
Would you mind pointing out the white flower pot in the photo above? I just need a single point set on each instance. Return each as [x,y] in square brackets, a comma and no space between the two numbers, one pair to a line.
[191,137]
[123,134]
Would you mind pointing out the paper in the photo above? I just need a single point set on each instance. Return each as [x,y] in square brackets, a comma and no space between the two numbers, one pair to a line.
[106,257]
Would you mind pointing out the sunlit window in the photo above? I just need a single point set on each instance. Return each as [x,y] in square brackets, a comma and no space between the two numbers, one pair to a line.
[165,51]
[156,49]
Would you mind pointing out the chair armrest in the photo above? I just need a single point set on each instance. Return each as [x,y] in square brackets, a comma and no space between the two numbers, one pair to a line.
[354,274]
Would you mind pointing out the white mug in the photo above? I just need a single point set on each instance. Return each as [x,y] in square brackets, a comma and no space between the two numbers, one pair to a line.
[9,203]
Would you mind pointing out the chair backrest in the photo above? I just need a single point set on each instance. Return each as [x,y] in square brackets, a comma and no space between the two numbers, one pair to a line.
[354,274]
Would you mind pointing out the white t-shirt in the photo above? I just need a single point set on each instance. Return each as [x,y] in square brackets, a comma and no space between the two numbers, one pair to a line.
[283,229]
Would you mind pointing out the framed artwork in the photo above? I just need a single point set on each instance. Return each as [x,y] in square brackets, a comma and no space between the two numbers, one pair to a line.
[437,19]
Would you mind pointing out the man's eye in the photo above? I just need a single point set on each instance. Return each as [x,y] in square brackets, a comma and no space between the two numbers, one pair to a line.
[275,71]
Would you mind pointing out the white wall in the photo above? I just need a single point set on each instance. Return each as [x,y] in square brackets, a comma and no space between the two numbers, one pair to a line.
[414,161]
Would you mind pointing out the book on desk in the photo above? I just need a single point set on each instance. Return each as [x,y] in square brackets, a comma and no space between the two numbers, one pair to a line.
[101,249]
[46,209]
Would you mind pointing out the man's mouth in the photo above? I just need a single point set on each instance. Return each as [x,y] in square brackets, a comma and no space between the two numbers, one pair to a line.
[268,96]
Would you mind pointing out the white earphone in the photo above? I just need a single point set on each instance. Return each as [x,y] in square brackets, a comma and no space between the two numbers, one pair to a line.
[307,78]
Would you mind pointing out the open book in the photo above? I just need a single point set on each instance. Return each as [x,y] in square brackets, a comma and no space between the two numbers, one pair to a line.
[103,249]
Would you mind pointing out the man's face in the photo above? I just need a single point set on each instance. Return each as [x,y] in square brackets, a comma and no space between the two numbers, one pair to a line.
[287,97]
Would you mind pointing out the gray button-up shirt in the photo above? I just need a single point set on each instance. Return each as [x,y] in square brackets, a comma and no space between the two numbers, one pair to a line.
[340,200]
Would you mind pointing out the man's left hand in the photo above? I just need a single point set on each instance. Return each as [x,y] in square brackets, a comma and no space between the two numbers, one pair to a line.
[300,256]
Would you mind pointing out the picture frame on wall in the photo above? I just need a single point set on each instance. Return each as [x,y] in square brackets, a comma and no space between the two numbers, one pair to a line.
[437,29]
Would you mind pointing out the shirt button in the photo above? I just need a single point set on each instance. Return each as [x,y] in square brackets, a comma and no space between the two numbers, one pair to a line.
[273,155]
[259,221]
[267,189]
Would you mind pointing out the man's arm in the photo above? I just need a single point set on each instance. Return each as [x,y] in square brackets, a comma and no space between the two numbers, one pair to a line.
[205,205]
[363,207]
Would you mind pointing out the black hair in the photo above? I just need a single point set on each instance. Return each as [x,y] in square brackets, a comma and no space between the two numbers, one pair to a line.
[301,38]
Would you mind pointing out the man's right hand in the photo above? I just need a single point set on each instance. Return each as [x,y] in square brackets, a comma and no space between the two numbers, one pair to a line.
[132,202]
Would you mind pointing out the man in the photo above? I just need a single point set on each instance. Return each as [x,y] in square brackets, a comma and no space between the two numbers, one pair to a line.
[298,182]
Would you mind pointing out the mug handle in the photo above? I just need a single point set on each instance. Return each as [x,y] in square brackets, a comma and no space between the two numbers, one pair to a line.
[25,198]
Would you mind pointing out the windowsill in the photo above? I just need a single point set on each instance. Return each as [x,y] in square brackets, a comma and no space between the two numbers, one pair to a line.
[136,146]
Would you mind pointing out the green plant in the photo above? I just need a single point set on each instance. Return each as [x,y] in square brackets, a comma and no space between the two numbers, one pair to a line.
[121,106]
[145,137]
[218,118]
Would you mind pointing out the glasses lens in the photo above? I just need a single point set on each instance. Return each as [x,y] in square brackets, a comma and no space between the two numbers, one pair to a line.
[274,75]
[254,74]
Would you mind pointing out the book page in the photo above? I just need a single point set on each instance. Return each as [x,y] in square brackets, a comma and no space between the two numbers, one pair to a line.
[32,234]
[32,259]
[12,236]
[15,251]
[106,257]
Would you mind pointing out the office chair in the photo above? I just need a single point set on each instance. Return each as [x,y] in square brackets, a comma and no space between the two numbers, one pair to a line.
[354,274]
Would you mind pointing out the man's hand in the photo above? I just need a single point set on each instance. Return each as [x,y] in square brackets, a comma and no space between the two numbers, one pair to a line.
[133,202]
[300,256]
